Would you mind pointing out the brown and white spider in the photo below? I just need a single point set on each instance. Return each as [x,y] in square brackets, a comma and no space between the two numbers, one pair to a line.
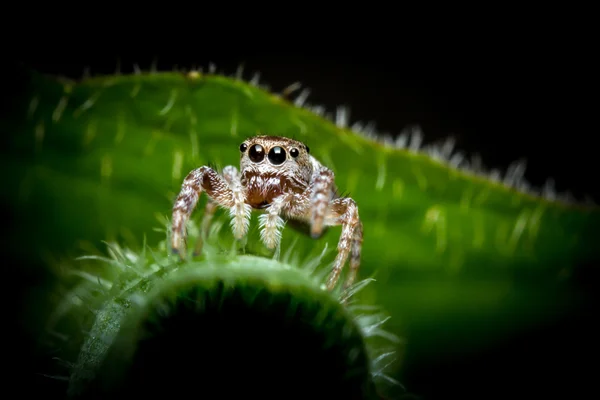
[280,178]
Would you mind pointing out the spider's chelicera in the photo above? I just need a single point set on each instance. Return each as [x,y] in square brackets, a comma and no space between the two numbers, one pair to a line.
[279,177]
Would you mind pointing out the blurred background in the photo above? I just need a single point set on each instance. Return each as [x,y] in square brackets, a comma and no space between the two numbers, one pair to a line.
[505,104]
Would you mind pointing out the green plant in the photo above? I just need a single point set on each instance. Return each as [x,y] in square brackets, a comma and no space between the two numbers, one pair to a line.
[227,313]
[102,159]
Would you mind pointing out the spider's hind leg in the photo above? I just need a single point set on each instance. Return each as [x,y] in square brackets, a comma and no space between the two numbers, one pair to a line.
[209,212]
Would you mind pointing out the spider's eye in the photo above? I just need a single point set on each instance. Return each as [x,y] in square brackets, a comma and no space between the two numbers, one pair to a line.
[307,149]
[277,155]
[257,153]
[243,147]
[294,153]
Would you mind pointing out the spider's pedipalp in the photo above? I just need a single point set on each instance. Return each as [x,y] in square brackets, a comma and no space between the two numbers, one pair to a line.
[231,174]
[240,212]
[271,223]
[322,193]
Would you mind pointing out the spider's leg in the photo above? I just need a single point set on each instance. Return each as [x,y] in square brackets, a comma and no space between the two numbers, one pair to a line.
[357,240]
[231,175]
[209,212]
[201,179]
[322,193]
[343,211]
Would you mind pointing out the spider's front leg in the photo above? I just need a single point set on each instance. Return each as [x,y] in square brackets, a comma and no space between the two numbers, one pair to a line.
[219,191]
[232,177]
[344,211]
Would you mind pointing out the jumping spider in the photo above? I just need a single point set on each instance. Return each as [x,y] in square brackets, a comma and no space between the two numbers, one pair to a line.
[280,178]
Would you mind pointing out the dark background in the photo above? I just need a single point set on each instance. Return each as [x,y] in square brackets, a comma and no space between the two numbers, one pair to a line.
[505,102]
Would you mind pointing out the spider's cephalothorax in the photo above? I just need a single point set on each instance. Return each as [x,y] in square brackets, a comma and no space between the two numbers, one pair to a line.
[279,177]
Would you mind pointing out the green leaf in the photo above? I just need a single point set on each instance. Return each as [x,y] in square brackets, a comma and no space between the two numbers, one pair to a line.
[103,158]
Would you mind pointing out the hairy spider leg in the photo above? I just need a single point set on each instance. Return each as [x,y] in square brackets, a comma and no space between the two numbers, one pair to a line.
[209,212]
[231,176]
[216,187]
[343,211]
[322,195]
[357,240]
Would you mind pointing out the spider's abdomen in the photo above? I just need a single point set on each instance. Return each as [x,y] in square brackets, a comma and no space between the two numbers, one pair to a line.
[261,189]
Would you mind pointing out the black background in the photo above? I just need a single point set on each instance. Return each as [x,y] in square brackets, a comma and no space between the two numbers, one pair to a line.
[532,97]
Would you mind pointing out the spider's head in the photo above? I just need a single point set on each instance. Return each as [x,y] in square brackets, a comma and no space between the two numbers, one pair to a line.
[276,155]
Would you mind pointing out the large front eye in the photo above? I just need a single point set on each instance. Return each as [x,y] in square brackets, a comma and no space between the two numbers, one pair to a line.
[256,153]
[277,155]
